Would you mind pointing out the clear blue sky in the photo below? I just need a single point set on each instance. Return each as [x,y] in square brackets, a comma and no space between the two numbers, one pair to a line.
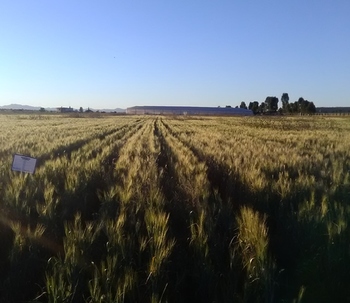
[108,54]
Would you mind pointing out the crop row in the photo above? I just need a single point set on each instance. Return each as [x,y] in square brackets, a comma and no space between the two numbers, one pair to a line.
[34,208]
[158,209]
[297,180]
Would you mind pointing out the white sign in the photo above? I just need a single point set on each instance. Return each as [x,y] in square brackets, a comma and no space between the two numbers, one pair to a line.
[24,164]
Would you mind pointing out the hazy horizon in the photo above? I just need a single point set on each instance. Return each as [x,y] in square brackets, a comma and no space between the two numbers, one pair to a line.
[115,54]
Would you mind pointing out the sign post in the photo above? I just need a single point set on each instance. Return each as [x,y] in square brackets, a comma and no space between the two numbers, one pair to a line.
[23,164]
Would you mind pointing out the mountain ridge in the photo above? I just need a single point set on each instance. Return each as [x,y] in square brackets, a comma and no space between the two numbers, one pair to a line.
[15,106]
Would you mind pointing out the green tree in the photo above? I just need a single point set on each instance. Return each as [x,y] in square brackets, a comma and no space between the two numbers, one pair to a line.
[262,107]
[81,110]
[295,107]
[302,106]
[311,108]
[243,105]
[285,101]
[271,104]
[254,107]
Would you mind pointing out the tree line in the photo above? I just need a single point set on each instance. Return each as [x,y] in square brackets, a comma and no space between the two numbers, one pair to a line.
[270,106]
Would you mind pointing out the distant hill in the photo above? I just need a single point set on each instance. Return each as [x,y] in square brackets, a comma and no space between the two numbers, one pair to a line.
[26,107]
[37,108]
[20,106]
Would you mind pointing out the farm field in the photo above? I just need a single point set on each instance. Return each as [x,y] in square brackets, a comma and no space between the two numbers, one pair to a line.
[175,209]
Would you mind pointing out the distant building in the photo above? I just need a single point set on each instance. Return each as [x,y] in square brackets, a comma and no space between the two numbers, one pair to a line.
[65,109]
[188,110]
[332,110]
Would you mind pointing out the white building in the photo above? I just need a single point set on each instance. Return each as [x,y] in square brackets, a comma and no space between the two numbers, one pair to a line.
[188,110]
[65,109]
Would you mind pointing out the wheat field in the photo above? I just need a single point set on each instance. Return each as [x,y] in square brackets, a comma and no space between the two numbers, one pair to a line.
[175,209]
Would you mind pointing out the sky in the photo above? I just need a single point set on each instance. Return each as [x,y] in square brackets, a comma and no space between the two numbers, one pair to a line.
[116,54]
